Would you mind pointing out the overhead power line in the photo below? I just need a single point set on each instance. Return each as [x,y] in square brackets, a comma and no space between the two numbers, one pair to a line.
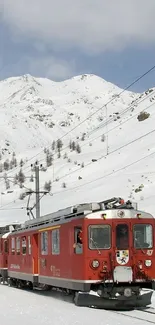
[111,152]
[106,175]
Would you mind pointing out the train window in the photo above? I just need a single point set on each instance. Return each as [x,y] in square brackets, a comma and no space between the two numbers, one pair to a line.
[99,237]
[143,236]
[78,240]
[122,236]
[13,246]
[24,245]
[18,245]
[55,241]
[29,244]
[44,243]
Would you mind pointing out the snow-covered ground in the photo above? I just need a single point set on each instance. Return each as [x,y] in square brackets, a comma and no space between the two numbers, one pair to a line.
[21,307]
[124,163]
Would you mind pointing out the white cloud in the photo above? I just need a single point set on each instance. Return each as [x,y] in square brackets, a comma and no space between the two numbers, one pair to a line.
[89,25]
[51,67]
[46,66]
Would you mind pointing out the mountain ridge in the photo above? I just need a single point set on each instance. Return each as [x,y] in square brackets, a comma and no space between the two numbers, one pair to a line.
[37,111]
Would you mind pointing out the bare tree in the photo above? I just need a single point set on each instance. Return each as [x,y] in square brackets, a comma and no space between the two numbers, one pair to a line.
[21,163]
[49,159]
[47,186]
[6,164]
[78,148]
[21,177]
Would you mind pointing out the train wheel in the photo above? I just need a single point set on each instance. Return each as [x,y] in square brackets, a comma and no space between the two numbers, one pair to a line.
[10,282]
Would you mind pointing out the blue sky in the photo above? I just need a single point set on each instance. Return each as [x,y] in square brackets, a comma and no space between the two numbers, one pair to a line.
[116,42]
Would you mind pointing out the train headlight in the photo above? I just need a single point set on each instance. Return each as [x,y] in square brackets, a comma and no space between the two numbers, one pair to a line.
[95,264]
[148,263]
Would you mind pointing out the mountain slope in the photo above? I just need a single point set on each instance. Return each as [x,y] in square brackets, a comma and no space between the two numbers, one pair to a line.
[36,111]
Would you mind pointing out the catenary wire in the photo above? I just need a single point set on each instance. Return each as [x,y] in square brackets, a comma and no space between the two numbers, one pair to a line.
[105,124]
[104,176]
[113,151]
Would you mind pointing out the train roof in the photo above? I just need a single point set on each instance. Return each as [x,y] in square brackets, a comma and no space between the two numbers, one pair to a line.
[9,228]
[109,209]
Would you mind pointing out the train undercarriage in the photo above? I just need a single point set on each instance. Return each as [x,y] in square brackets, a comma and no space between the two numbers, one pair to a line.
[116,297]
[104,296]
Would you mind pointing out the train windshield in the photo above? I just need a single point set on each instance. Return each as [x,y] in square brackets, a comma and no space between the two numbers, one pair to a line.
[122,236]
[99,237]
[143,236]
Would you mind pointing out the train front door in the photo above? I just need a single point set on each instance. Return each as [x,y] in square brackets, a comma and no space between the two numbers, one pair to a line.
[122,260]
[35,253]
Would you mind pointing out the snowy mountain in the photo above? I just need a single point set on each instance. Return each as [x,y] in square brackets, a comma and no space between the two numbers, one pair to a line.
[116,147]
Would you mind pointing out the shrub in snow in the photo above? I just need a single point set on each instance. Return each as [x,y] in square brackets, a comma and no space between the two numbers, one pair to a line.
[47,186]
[1,168]
[15,180]
[59,144]
[49,159]
[15,162]
[78,148]
[21,163]
[21,177]
[59,153]
[83,137]
[70,144]
[11,165]
[53,145]
[102,138]
[73,146]
[6,165]
[51,125]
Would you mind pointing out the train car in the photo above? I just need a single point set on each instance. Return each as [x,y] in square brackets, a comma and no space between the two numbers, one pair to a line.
[102,252]
[4,249]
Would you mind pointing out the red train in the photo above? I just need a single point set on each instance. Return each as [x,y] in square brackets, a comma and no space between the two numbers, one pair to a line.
[102,252]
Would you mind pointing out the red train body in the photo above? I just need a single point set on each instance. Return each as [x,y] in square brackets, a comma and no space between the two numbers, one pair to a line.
[113,255]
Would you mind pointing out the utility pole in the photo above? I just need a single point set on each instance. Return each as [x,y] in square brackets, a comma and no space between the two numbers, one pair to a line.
[37,188]
[36,169]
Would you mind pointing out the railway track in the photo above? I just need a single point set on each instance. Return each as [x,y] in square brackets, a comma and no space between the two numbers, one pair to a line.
[147,315]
